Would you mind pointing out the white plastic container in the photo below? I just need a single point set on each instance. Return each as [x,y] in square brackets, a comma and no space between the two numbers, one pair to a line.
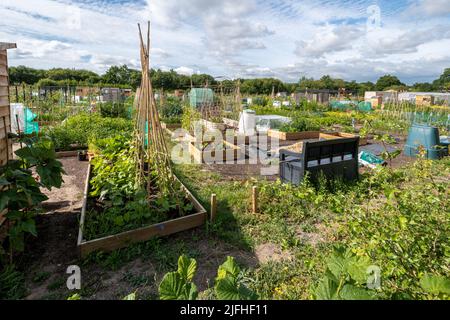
[247,122]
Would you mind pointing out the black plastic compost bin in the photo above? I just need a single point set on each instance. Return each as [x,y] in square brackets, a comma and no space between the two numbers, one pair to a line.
[332,158]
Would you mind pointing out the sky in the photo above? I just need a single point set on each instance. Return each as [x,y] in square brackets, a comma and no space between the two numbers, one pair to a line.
[288,39]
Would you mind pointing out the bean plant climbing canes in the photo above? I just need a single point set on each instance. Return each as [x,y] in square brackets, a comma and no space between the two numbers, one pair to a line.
[149,138]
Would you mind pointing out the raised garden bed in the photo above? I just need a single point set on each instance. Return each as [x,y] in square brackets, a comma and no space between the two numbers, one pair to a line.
[48,123]
[231,123]
[298,147]
[292,135]
[229,152]
[362,141]
[170,126]
[214,125]
[123,239]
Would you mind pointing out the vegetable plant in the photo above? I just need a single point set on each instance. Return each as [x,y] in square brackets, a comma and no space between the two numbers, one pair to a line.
[23,194]
[179,285]
[346,278]
[299,125]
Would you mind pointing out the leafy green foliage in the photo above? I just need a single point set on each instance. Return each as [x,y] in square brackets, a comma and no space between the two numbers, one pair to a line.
[387,81]
[11,284]
[345,278]
[23,193]
[299,125]
[436,285]
[407,226]
[190,115]
[75,296]
[41,154]
[228,285]
[118,200]
[77,131]
[131,296]
[113,110]
[397,217]
[114,169]
[172,110]
[178,285]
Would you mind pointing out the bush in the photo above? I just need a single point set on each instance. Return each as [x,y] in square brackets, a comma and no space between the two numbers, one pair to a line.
[114,110]
[172,110]
[76,132]
[300,125]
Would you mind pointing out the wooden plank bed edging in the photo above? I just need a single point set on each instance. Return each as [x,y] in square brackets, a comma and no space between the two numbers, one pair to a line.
[66,154]
[232,153]
[293,135]
[123,239]
[170,126]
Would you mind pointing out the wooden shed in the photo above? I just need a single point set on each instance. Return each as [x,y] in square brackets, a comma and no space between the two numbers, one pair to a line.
[5,121]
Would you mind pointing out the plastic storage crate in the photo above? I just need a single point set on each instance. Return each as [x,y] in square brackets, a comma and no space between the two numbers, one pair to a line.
[332,158]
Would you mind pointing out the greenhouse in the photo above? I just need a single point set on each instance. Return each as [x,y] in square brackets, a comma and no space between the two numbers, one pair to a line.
[199,97]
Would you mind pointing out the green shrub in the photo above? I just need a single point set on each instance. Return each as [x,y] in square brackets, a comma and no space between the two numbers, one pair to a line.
[229,284]
[172,107]
[77,131]
[299,125]
[12,284]
[113,110]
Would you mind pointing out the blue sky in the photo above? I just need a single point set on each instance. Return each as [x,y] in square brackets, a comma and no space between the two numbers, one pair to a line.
[288,39]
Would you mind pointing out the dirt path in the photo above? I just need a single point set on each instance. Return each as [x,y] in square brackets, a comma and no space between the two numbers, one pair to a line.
[48,256]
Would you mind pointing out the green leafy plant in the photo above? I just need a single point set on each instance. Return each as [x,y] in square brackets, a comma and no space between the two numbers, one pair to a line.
[172,110]
[436,285]
[178,285]
[131,296]
[75,296]
[23,194]
[11,284]
[41,154]
[190,116]
[119,203]
[299,125]
[345,278]
[78,131]
[228,284]
[113,110]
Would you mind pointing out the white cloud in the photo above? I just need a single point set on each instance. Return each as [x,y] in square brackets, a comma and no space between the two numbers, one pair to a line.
[390,41]
[329,39]
[184,71]
[432,8]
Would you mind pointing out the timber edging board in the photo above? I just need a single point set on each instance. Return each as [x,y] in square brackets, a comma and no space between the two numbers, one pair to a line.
[170,126]
[231,153]
[293,135]
[124,239]
[66,154]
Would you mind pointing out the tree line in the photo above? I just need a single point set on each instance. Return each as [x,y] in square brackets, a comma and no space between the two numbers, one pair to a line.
[122,76]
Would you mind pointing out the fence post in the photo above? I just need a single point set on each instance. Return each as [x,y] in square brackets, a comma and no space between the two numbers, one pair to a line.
[254,199]
[213,207]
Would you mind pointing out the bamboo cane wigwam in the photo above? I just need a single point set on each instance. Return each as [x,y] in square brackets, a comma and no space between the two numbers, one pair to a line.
[149,134]
[152,156]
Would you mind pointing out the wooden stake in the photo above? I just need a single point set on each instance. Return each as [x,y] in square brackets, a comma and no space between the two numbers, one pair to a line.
[254,199]
[213,207]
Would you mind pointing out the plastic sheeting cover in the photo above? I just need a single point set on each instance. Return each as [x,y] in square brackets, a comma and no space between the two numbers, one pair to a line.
[23,119]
